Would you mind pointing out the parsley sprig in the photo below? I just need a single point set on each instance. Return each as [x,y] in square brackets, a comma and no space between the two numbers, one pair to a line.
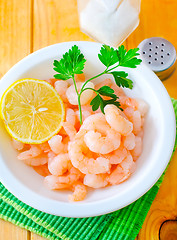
[73,62]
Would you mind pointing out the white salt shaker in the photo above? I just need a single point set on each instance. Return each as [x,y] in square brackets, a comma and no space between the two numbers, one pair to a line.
[109,21]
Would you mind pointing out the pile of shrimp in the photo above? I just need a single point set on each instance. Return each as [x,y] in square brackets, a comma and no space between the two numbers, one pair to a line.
[100,152]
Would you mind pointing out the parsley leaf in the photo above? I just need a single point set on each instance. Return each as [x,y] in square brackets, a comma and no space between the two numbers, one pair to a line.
[128,58]
[107,91]
[71,63]
[95,103]
[121,79]
[108,55]
[98,101]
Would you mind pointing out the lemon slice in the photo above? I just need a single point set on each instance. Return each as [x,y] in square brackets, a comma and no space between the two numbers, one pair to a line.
[32,111]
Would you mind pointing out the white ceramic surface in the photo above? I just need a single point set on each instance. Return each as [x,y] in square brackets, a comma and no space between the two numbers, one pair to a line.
[159,139]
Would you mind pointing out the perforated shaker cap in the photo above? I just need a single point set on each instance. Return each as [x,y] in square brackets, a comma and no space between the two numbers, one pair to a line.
[159,54]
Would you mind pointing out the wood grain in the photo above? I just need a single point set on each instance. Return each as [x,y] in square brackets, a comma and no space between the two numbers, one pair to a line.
[36,237]
[8,231]
[158,18]
[168,230]
[15,29]
[55,21]
[27,25]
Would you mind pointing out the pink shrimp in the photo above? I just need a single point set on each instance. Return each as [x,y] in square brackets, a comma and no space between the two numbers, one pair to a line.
[56,144]
[44,147]
[51,81]
[73,176]
[61,87]
[100,138]
[59,164]
[42,170]
[135,118]
[52,183]
[142,106]
[129,141]
[82,158]
[33,152]
[69,129]
[122,171]
[37,161]
[117,90]
[100,144]
[17,145]
[96,180]
[80,77]
[128,102]
[118,155]
[117,121]
[136,152]
[107,82]
[85,97]
[80,192]
[70,116]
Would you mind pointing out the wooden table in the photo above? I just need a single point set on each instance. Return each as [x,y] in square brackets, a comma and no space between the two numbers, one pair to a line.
[27,25]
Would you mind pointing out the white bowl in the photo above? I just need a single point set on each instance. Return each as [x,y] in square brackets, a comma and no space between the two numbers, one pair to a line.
[158,144]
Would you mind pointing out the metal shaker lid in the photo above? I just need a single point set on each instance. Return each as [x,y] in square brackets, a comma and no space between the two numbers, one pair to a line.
[159,54]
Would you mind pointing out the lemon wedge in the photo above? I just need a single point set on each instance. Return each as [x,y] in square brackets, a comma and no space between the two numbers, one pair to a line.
[32,111]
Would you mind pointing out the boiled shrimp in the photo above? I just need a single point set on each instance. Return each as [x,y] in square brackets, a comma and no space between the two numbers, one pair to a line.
[86,96]
[70,116]
[79,155]
[100,138]
[80,192]
[128,102]
[95,180]
[33,152]
[61,87]
[52,183]
[17,145]
[59,164]
[118,155]
[129,141]
[69,129]
[80,77]
[117,121]
[44,147]
[73,176]
[122,171]
[135,118]
[37,161]
[142,106]
[136,152]
[56,144]
[100,144]
[107,82]
[42,170]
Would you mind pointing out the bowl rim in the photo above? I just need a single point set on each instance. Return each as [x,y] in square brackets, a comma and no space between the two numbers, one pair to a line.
[103,206]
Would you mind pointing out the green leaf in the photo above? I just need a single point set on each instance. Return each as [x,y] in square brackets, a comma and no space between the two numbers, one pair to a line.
[107,91]
[95,103]
[128,58]
[108,55]
[71,63]
[98,101]
[121,79]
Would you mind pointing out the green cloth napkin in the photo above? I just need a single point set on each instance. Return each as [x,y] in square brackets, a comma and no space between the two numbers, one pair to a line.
[123,224]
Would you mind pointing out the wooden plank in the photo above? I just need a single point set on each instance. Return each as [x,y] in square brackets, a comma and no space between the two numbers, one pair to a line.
[36,237]
[56,21]
[14,32]
[15,24]
[158,19]
[168,230]
[9,231]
